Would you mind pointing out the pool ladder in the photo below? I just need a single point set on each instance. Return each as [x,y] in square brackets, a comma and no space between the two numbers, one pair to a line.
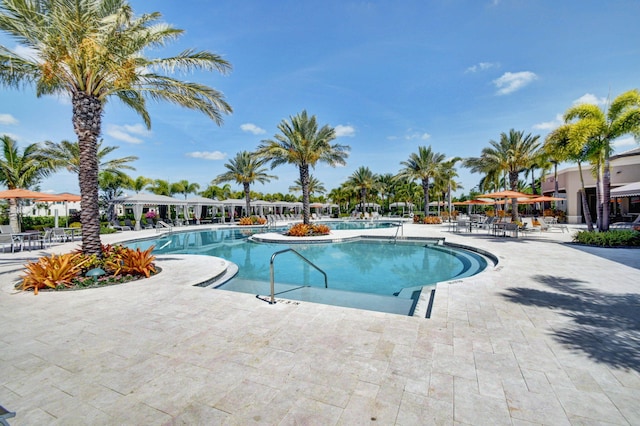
[273,257]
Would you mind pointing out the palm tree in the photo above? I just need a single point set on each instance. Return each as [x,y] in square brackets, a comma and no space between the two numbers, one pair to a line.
[445,180]
[364,181]
[21,169]
[246,168]
[111,184]
[597,128]
[92,51]
[566,144]
[140,183]
[67,155]
[424,166]
[315,186]
[184,187]
[161,187]
[301,143]
[386,187]
[514,153]
[220,192]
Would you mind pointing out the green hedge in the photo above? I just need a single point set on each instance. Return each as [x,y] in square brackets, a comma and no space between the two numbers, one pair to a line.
[612,238]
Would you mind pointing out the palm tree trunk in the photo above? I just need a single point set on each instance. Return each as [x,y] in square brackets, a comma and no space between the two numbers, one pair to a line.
[585,205]
[13,214]
[605,194]
[247,197]
[304,181]
[513,181]
[425,190]
[87,122]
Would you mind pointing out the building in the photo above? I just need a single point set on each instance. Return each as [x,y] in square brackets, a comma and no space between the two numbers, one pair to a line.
[625,169]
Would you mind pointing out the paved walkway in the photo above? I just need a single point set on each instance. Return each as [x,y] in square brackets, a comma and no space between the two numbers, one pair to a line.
[549,336]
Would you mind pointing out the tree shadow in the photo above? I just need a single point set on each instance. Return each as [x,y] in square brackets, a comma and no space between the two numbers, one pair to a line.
[605,326]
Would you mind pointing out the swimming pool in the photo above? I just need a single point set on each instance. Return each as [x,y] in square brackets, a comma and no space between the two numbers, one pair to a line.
[364,273]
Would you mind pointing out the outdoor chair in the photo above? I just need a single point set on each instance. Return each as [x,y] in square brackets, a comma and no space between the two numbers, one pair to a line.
[44,239]
[487,224]
[545,226]
[626,225]
[11,241]
[4,415]
[160,225]
[59,235]
[116,225]
[6,229]
[127,222]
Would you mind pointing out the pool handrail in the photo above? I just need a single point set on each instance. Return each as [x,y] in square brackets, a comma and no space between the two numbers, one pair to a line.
[273,256]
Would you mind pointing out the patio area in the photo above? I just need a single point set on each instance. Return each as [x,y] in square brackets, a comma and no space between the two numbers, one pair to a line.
[551,335]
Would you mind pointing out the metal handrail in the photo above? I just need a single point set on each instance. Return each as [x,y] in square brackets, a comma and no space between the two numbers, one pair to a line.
[400,226]
[273,256]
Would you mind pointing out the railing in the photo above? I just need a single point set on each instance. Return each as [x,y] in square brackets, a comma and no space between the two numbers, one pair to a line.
[273,256]
[400,227]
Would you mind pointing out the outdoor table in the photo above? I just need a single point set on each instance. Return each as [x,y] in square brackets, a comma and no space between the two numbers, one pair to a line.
[73,232]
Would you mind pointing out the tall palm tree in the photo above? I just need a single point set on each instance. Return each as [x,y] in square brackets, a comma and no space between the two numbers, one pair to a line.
[364,181]
[302,144]
[514,153]
[92,51]
[315,186]
[184,187]
[424,166]
[245,169]
[597,128]
[445,180]
[20,169]
[386,188]
[566,143]
[66,155]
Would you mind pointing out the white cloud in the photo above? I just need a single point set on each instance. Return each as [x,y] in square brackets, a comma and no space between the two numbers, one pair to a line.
[482,66]
[509,82]
[252,128]
[8,119]
[126,133]
[550,125]
[417,135]
[207,155]
[624,142]
[345,130]
[588,98]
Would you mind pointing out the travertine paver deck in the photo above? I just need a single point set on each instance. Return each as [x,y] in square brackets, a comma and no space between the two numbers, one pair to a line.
[549,336]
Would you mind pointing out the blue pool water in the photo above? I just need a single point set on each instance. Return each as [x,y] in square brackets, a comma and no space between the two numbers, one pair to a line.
[379,268]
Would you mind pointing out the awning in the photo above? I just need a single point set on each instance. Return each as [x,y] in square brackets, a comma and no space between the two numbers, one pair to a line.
[630,190]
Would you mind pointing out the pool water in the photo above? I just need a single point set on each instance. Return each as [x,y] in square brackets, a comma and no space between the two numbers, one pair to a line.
[373,267]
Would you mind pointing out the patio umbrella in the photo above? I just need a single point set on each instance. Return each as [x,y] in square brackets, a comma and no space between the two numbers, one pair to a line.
[506,194]
[66,197]
[19,193]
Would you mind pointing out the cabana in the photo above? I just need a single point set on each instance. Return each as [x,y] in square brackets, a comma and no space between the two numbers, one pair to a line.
[141,200]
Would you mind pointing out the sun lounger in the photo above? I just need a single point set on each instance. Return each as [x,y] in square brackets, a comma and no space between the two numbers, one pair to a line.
[161,225]
[546,226]
[4,415]
[626,225]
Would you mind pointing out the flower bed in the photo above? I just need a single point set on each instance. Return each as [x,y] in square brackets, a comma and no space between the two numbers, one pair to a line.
[252,220]
[428,220]
[69,271]
[304,230]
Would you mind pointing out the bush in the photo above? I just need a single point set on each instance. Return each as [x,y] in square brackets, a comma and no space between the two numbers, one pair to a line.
[612,238]
[429,220]
[60,272]
[302,230]
[252,220]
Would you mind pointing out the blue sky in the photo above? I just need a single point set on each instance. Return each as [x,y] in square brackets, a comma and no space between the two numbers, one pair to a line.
[388,75]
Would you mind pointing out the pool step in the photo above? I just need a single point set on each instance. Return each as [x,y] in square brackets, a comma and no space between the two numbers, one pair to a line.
[328,296]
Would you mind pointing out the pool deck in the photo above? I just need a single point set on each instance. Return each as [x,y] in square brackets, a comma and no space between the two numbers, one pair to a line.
[551,335]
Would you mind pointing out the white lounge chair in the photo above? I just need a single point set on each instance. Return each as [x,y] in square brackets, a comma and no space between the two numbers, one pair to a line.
[546,226]
[626,225]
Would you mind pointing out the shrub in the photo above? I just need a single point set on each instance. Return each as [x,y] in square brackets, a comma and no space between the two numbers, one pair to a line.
[128,261]
[252,220]
[302,230]
[612,238]
[55,271]
[432,220]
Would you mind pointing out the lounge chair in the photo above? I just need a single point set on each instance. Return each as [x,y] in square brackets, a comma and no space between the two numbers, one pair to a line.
[487,224]
[131,225]
[626,225]
[116,225]
[160,225]
[545,226]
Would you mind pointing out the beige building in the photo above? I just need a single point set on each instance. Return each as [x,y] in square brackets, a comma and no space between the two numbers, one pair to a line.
[625,170]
